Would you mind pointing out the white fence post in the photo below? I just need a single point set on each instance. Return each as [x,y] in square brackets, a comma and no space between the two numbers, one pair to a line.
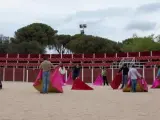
[27,75]
[112,74]
[66,76]
[154,73]
[82,73]
[23,74]
[4,74]
[13,74]
[143,72]
[92,75]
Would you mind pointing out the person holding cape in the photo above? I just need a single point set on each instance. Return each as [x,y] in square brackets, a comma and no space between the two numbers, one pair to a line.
[76,71]
[125,71]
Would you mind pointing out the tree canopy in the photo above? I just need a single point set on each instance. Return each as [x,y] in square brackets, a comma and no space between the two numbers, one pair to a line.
[34,39]
[140,44]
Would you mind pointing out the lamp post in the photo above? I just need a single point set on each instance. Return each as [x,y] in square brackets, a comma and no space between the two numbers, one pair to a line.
[82,27]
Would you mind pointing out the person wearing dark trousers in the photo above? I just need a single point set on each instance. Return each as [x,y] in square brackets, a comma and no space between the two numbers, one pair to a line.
[104,76]
[76,71]
[125,71]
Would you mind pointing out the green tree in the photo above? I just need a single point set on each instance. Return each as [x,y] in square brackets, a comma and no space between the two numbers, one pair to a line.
[39,32]
[33,38]
[60,43]
[32,47]
[4,42]
[140,44]
[90,44]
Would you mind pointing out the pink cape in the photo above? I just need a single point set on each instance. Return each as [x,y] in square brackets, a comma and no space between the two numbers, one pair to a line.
[69,80]
[141,82]
[98,81]
[156,83]
[55,84]
[38,79]
[57,80]
[78,84]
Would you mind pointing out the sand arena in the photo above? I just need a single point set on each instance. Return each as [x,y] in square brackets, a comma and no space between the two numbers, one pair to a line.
[20,101]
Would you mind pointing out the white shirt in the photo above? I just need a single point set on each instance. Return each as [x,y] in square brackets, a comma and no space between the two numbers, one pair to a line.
[133,73]
[62,70]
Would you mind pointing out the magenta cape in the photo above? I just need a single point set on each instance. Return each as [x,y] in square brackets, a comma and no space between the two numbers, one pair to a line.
[98,81]
[55,84]
[141,86]
[78,84]
[116,81]
[156,83]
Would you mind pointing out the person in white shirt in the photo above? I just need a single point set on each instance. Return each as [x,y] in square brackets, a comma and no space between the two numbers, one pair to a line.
[62,71]
[133,75]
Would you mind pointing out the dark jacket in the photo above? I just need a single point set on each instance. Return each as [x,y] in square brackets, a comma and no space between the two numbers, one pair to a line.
[125,70]
[76,71]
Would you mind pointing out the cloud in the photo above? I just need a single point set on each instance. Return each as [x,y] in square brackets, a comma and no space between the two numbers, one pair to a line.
[149,8]
[100,13]
[141,25]
[105,18]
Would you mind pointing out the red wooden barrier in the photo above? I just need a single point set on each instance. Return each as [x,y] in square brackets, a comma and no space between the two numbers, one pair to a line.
[8,74]
[29,75]
[19,72]
[87,75]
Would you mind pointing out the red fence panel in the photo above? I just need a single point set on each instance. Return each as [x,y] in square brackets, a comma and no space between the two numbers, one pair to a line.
[77,55]
[1,74]
[45,55]
[55,56]
[109,75]
[155,53]
[156,71]
[67,56]
[149,75]
[8,74]
[87,75]
[3,55]
[32,74]
[133,54]
[88,55]
[34,55]
[12,55]
[99,55]
[23,55]
[145,53]
[122,55]
[140,71]
[19,74]
[110,55]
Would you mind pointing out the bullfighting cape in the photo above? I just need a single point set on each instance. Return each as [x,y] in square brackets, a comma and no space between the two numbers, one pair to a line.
[141,86]
[78,84]
[55,82]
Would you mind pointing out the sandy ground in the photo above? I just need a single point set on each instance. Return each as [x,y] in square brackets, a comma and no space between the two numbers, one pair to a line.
[20,101]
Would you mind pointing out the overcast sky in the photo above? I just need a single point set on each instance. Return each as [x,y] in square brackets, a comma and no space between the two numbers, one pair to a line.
[114,19]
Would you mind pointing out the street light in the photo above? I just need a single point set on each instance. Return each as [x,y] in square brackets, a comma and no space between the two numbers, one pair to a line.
[82,27]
